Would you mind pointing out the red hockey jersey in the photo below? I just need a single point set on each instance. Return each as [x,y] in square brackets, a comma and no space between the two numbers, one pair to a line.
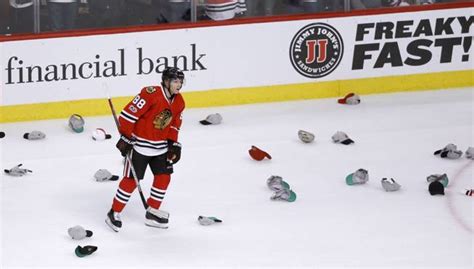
[152,119]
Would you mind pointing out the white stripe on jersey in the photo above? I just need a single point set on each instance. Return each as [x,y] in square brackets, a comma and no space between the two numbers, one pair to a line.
[149,147]
[128,117]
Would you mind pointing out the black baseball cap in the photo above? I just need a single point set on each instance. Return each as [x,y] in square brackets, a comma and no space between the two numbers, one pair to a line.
[435,188]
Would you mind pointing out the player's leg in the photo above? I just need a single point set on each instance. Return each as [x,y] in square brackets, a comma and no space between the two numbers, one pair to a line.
[125,189]
[162,170]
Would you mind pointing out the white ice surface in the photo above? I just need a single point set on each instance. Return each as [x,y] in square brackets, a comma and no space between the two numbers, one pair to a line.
[329,225]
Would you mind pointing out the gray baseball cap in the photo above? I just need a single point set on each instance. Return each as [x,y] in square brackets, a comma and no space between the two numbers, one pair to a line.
[305,136]
[342,138]
[390,184]
[104,175]
[212,119]
[34,135]
[78,232]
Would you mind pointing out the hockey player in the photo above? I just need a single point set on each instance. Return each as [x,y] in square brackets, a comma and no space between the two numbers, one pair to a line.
[149,127]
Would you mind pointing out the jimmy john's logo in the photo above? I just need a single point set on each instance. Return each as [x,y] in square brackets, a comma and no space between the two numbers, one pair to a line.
[316,50]
[163,119]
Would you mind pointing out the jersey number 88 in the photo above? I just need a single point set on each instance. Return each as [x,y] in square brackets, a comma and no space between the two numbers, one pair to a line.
[139,102]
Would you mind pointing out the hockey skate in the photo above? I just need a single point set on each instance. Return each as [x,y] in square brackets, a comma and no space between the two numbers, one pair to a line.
[156,218]
[113,220]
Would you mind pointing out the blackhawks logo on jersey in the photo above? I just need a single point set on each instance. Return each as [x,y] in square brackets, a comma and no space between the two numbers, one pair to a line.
[150,89]
[163,119]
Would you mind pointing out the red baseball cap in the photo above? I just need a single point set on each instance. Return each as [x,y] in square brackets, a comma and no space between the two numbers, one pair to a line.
[258,154]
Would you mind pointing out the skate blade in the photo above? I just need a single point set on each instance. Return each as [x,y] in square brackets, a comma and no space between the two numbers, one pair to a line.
[154,224]
[113,227]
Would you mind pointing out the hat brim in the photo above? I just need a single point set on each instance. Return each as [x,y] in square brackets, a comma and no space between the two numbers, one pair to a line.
[292,196]
[78,130]
[347,141]
[205,122]
[267,155]
[349,180]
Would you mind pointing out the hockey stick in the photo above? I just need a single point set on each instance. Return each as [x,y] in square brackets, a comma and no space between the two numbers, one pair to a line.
[127,157]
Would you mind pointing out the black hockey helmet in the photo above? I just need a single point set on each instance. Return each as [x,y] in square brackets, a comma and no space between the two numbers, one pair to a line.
[172,73]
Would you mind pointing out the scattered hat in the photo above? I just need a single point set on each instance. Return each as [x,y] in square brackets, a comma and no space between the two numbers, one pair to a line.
[208,220]
[435,188]
[76,123]
[2,134]
[361,176]
[390,185]
[34,135]
[100,134]
[350,99]
[437,177]
[258,154]
[391,3]
[104,175]
[470,153]
[305,136]
[284,195]
[341,138]
[84,251]
[449,151]
[78,233]
[17,171]
[276,183]
[212,119]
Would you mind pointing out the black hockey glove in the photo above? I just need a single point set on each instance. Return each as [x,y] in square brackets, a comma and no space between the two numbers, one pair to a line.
[174,151]
[124,145]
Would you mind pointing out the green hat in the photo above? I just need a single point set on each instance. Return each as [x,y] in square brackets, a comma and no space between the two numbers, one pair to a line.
[361,176]
[84,251]
[76,123]
[292,196]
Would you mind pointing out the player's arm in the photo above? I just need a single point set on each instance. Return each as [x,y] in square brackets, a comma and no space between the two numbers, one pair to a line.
[134,110]
[130,115]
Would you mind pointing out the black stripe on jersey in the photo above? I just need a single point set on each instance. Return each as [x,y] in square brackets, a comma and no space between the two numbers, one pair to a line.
[128,116]
[150,147]
[157,197]
[123,194]
[221,8]
[158,192]
[146,142]
[121,199]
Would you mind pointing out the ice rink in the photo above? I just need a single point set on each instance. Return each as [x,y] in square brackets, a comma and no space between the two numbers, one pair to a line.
[329,225]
